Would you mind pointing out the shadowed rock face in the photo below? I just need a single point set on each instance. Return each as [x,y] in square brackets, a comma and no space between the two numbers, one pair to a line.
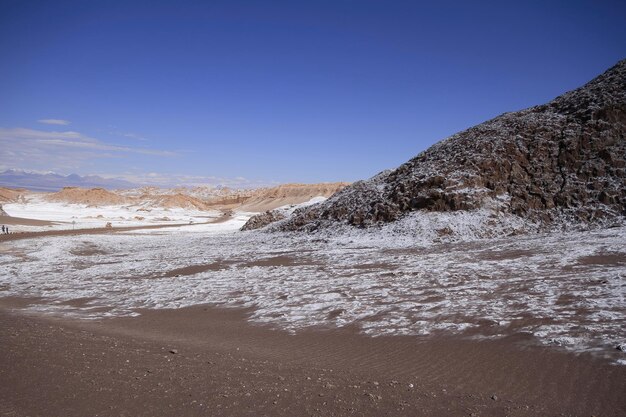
[563,159]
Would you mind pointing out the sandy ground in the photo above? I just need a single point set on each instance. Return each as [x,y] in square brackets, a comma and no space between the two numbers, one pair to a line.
[90,231]
[208,361]
[10,220]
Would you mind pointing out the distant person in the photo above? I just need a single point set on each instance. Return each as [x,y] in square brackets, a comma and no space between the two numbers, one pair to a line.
[7,229]
[2,229]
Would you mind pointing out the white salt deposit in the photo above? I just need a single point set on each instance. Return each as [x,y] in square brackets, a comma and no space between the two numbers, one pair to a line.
[566,289]
[80,216]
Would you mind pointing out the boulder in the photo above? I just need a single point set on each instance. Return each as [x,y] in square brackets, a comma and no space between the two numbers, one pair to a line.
[261,220]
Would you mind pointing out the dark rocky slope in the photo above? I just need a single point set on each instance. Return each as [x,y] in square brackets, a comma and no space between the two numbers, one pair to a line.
[263,219]
[558,163]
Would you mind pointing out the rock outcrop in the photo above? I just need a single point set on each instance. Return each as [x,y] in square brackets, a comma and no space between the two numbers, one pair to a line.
[89,197]
[173,201]
[563,161]
[10,195]
[262,220]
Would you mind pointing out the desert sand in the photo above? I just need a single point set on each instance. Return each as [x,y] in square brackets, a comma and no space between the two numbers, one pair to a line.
[209,361]
[10,220]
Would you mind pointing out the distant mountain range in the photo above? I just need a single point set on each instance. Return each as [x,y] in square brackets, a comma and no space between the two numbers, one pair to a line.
[51,181]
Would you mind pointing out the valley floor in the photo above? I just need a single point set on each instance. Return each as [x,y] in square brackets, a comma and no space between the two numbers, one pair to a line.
[208,361]
[294,324]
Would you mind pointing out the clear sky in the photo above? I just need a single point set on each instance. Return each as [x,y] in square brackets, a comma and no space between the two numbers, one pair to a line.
[267,91]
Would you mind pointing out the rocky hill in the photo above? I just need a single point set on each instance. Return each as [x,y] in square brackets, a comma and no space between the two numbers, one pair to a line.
[198,198]
[557,164]
[287,194]
[11,195]
[173,201]
[90,197]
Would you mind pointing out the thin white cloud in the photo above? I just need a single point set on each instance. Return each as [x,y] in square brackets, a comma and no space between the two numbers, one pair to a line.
[58,122]
[32,148]
[21,137]
[128,135]
[70,151]
[134,136]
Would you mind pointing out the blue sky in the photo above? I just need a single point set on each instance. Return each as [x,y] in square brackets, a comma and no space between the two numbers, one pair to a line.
[250,92]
